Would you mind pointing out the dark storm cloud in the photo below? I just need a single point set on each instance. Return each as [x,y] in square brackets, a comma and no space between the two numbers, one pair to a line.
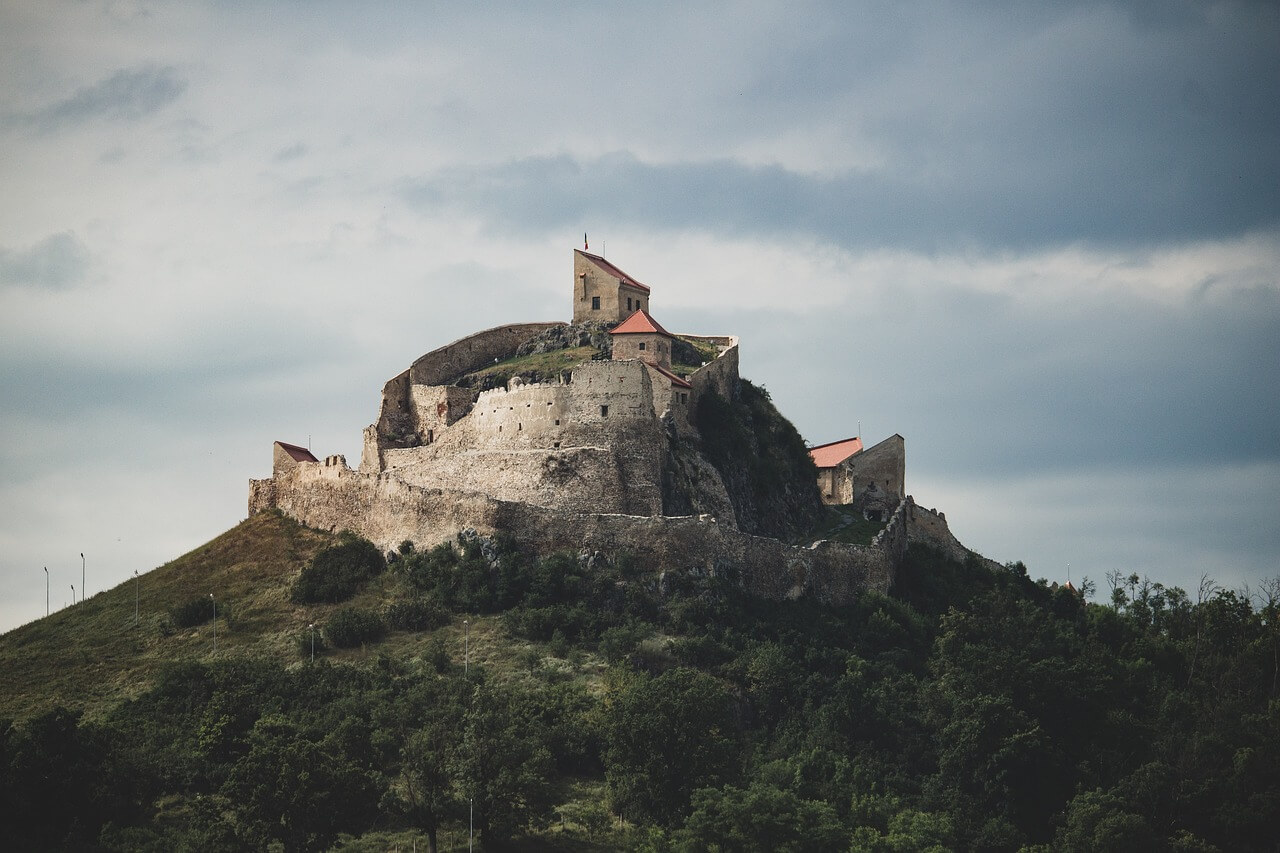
[128,94]
[58,261]
[859,210]
[1010,128]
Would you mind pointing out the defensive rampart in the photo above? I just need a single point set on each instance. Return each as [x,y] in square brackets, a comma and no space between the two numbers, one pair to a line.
[442,366]
[388,511]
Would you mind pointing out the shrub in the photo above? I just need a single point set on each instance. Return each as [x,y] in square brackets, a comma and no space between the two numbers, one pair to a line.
[338,572]
[354,626]
[416,614]
[193,612]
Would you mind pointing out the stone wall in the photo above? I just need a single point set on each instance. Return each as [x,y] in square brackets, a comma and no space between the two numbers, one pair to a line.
[593,441]
[929,527]
[720,375]
[442,366]
[388,511]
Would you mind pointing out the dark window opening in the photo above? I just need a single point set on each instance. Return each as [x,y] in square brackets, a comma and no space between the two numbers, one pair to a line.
[604,411]
[557,422]
[628,303]
[642,345]
[556,445]
[519,427]
[595,303]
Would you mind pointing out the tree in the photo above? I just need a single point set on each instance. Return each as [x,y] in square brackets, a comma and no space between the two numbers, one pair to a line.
[296,791]
[665,737]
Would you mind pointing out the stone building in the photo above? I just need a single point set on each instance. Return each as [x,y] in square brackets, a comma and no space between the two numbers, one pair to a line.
[872,480]
[602,292]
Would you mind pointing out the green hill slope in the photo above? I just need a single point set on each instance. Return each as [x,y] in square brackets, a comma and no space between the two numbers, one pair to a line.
[601,706]
[92,654]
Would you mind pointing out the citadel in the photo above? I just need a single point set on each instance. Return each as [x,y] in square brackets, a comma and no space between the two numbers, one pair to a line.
[586,436]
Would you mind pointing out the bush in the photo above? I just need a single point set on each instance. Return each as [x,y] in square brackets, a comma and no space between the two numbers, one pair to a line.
[416,614]
[354,626]
[338,572]
[193,612]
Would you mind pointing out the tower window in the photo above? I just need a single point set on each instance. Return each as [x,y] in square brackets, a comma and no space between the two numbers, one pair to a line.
[642,345]
[628,303]
[604,411]
[595,303]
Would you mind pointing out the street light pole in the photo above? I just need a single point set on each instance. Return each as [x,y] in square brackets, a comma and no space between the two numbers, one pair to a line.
[46,590]
[215,622]
[73,595]
[466,646]
[313,642]
[471,823]
[84,590]
[137,596]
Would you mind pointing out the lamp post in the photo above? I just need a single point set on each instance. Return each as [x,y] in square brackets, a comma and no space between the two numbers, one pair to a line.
[137,597]
[215,622]
[313,642]
[73,595]
[471,823]
[466,646]
[46,590]
[83,588]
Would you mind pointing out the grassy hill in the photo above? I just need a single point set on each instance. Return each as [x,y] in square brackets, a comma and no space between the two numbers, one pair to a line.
[91,656]
[610,705]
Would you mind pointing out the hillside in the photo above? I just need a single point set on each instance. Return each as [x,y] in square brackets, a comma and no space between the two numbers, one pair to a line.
[586,704]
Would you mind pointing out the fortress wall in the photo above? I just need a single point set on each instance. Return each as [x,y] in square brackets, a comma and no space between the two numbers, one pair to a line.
[928,526]
[721,374]
[388,511]
[552,444]
[441,366]
[436,407]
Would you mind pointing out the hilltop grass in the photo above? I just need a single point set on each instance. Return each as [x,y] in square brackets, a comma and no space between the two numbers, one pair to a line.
[842,524]
[542,366]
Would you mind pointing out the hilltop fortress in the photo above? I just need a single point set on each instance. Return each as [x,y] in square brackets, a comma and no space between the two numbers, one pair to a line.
[589,436]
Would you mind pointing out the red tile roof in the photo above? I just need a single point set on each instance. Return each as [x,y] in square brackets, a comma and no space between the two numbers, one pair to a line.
[675,380]
[612,270]
[298,454]
[833,453]
[640,323]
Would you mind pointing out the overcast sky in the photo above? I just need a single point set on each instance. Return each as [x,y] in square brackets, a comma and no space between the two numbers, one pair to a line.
[1040,241]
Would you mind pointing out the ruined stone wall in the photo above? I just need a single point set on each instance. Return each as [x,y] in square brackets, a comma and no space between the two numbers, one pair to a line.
[720,375]
[929,527]
[594,441]
[388,511]
[441,366]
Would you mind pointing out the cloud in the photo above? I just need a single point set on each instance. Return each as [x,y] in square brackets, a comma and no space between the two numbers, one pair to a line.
[855,210]
[127,95]
[56,262]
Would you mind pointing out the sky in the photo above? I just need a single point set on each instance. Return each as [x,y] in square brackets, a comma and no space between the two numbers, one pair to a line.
[1039,241]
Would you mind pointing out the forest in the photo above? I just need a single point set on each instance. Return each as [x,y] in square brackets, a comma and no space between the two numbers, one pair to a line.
[970,709]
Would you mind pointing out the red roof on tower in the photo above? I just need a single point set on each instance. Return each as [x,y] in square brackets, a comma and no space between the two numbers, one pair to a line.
[612,270]
[833,453]
[640,323]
